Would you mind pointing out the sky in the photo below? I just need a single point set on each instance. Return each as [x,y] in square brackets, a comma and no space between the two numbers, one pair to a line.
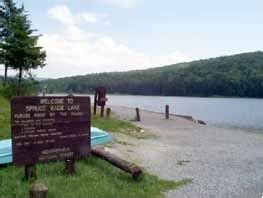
[90,36]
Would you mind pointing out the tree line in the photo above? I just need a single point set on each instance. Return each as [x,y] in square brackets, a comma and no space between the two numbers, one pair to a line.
[18,42]
[235,76]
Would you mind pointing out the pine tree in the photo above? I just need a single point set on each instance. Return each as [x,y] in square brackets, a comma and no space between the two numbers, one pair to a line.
[19,49]
[8,11]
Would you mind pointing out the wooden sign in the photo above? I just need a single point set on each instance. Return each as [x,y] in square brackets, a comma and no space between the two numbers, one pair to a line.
[100,99]
[49,128]
[101,91]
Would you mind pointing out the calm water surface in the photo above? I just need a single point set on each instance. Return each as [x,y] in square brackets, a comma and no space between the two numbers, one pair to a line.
[223,112]
[243,113]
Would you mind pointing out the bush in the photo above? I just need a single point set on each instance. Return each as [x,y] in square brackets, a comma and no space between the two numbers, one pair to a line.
[28,88]
[8,91]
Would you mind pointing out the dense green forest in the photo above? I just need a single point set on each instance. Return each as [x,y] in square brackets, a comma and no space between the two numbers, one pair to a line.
[239,75]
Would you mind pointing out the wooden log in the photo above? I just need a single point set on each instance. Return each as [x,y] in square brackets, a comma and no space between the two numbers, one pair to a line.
[38,190]
[166,112]
[116,161]
[138,117]
[70,166]
[108,112]
[30,172]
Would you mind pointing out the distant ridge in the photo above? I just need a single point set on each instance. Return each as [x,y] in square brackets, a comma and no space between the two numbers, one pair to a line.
[238,75]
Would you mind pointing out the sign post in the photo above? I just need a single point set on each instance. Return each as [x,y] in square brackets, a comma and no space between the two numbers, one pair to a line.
[100,100]
[49,129]
[30,172]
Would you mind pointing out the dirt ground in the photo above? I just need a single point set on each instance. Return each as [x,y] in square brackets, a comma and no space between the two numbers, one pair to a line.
[221,162]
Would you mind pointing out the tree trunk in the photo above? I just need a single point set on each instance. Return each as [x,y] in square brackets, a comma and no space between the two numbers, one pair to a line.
[19,81]
[5,75]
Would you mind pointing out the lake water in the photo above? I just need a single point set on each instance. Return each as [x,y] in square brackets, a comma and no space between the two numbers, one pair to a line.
[242,113]
[222,112]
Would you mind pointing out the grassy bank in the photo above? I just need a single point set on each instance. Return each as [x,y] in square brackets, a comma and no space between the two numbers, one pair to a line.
[112,124]
[119,126]
[94,177]
[4,118]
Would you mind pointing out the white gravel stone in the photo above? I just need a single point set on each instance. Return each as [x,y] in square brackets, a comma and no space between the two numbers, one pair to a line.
[221,162]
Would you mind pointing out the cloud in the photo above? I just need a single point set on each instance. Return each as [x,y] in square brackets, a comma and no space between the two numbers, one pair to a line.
[121,3]
[92,18]
[88,17]
[63,14]
[74,51]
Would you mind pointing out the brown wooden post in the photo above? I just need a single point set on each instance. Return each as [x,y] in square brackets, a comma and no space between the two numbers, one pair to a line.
[30,172]
[138,117]
[102,111]
[38,190]
[95,103]
[166,112]
[108,111]
[70,166]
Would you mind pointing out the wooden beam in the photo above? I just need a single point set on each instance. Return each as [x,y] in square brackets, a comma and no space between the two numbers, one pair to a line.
[116,161]
[95,103]
[70,166]
[102,111]
[166,112]
[30,172]
[138,117]
[108,112]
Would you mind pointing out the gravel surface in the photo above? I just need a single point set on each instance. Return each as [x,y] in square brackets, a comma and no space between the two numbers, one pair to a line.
[221,162]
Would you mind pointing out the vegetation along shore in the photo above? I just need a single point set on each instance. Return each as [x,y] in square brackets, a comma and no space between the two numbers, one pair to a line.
[231,76]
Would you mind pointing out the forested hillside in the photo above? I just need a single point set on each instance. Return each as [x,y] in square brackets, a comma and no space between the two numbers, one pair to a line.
[239,75]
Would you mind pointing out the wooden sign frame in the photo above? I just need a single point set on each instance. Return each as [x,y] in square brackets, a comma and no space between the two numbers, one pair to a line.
[50,129]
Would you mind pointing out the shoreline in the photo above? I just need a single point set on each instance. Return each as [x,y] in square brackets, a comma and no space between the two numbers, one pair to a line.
[224,113]
[221,162]
[187,117]
[196,120]
[112,94]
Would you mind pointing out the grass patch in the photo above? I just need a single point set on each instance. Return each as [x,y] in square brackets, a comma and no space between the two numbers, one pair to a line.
[111,124]
[4,118]
[94,178]
[115,125]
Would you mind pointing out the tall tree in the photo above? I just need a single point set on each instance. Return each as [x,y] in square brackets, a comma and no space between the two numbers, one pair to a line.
[20,48]
[8,11]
